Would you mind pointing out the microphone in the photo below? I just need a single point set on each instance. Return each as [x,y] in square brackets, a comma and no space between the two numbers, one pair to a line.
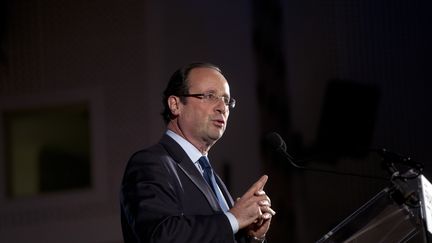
[400,191]
[278,144]
[275,141]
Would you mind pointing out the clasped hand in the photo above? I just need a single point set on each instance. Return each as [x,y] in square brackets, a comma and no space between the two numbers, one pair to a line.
[253,210]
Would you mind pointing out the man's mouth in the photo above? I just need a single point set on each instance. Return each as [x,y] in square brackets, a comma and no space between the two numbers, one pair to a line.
[219,122]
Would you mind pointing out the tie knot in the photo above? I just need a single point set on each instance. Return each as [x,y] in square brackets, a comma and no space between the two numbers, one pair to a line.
[204,163]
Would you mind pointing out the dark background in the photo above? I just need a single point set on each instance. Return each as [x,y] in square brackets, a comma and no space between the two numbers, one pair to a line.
[328,76]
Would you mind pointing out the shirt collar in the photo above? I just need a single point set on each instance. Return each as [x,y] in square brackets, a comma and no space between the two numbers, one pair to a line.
[193,153]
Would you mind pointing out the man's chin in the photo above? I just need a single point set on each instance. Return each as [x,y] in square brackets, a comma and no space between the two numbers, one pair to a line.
[217,135]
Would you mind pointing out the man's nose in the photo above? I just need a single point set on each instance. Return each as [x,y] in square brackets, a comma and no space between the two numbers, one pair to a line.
[221,107]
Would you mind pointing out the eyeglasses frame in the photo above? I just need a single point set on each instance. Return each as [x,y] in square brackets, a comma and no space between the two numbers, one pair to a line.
[231,102]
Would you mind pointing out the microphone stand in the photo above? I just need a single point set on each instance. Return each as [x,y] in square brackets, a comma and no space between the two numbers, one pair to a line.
[399,189]
[295,164]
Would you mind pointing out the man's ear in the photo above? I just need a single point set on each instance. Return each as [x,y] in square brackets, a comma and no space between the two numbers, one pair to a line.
[174,105]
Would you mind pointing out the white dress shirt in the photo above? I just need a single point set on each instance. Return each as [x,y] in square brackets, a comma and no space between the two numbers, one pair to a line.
[194,154]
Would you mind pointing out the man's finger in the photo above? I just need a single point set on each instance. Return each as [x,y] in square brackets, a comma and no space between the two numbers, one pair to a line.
[267,209]
[257,186]
[264,202]
[260,192]
[266,216]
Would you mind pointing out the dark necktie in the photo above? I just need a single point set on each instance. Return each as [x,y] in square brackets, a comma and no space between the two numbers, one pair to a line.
[208,172]
[210,179]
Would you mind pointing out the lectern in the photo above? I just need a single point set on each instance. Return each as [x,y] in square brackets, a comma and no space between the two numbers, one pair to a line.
[400,212]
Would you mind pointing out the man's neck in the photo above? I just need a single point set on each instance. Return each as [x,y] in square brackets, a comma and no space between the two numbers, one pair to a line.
[203,147]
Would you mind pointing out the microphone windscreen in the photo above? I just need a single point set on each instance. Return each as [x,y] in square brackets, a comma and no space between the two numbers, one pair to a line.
[275,141]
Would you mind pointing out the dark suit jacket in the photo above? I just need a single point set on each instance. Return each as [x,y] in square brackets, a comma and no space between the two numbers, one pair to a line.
[164,198]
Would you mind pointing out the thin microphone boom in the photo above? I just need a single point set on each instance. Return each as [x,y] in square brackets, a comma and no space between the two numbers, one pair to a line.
[400,191]
[279,145]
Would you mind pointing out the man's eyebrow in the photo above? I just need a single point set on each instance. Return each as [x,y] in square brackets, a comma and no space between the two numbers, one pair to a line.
[212,91]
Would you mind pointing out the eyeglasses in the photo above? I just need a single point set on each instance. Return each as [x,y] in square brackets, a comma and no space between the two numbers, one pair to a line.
[212,98]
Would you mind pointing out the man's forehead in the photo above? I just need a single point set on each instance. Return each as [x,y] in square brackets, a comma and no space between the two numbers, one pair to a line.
[206,77]
[203,71]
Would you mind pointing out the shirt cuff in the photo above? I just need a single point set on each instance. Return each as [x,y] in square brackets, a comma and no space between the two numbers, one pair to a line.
[233,221]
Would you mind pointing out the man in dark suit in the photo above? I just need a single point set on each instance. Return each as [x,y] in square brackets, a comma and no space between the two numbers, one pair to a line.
[169,191]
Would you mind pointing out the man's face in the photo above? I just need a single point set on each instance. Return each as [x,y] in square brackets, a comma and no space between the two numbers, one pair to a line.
[200,120]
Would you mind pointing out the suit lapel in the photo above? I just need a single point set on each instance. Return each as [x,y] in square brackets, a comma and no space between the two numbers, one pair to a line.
[187,166]
[225,191]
